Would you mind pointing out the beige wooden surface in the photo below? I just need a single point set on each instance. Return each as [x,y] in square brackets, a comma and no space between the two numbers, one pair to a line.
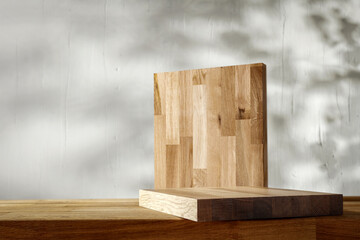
[210,127]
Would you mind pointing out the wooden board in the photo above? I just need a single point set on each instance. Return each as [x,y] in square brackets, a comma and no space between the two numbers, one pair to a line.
[210,127]
[237,203]
[124,219]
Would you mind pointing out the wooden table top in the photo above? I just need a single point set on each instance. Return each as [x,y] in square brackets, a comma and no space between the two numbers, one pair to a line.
[94,209]
[124,219]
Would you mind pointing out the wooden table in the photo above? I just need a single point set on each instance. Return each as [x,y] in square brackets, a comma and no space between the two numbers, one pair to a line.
[124,219]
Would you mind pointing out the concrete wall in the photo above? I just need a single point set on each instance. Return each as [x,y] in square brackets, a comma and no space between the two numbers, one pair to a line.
[76,88]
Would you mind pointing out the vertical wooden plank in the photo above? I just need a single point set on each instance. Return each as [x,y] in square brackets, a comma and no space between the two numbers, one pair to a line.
[242,92]
[186,104]
[213,113]
[257,165]
[199,177]
[199,126]
[243,153]
[159,94]
[159,151]
[173,158]
[186,162]
[257,107]
[157,97]
[228,101]
[265,138]
[172,108]
[228,161]
[198,76]
[258,125]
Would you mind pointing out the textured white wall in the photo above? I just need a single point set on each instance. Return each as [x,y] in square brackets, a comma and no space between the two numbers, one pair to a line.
[76,88]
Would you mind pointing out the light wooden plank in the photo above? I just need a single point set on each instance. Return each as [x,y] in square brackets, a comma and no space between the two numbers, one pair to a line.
[205,193]
[237,203]
[159,93]
[172,108]
[213,113]
[272,191]
[186,104]
[198,76]
[243,153]
[228,106]
[197,193]
[242,93]
[257,105]
[173,173]
[186,162]
[159,151]
[199,177]
[228,161]
[175,205]
[257,165]
[199,127]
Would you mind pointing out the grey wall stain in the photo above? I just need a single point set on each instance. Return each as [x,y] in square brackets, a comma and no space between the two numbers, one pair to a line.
[76,88]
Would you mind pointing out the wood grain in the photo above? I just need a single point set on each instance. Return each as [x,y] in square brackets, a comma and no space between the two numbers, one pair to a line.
[157,98]
[257,104]
[198,76]
[124,219]
[186,161]
[213,115]
[172,102]
[159,94]
[244,164]
[199,127]
[237,203]
[216,107]
[228,161]
[243,98]
[186,103]
[200,177]
[228,110]
[160,150]
[173,161]
[169,204]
